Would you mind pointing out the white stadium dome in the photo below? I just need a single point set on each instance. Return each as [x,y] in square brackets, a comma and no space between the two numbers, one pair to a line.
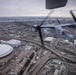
[5,50]
[12,42]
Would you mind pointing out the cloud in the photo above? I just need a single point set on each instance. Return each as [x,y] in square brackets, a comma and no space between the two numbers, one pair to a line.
[30,7]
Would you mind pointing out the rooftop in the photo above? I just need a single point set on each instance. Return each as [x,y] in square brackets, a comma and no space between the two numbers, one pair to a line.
[5,50]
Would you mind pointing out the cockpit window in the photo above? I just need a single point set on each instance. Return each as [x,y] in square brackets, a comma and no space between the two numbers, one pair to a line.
[65,32]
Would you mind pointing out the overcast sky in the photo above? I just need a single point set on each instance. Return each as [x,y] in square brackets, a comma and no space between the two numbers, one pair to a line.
[33,8]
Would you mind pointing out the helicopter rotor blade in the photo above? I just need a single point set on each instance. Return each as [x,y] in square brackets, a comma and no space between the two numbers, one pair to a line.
[46,17]
[58,21]
[40,35]
[39,28]
[71,12]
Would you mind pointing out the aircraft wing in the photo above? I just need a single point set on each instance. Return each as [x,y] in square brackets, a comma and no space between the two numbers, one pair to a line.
[48,26]
[66,25]
[58,25]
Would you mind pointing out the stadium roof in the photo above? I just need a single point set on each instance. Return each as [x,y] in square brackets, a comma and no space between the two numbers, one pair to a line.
[5,50]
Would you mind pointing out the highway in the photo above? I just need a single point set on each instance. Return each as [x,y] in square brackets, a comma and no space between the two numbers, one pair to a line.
[40,64]
[50,48]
